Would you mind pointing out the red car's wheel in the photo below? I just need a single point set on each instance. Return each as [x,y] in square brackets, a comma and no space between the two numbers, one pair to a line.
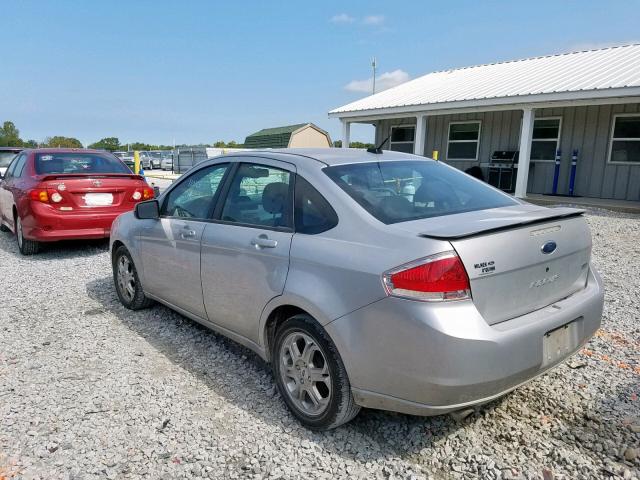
[26,247]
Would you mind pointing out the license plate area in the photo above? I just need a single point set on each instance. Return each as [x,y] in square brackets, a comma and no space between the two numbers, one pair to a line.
[98,199]
[558,343]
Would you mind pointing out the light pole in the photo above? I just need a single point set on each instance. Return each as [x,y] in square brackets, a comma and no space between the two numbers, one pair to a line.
[373,66]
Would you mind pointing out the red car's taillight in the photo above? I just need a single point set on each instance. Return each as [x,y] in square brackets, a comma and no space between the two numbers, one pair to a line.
[436,278]
[145,193]
[39,195]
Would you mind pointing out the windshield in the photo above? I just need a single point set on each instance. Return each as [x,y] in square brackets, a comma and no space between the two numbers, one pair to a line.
[401,191]
[52,163]
[5,158]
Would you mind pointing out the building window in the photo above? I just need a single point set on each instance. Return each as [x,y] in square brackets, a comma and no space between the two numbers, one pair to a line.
[625,139]
[464,140]
[402,138]
[546,138]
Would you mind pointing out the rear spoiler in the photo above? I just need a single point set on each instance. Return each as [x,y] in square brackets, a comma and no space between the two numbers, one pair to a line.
[70,176]
[486,226]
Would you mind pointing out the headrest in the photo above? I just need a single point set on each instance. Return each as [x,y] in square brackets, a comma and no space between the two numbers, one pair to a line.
[274,197]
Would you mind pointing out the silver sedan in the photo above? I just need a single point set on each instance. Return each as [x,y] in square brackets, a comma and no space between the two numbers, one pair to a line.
[380,280]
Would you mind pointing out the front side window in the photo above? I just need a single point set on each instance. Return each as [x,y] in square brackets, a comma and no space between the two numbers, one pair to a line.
[401,191]
[61,163]
[259,195]
[194,196]
[464,139]
[625,141]
[545,138]
[313,214]
[402,139]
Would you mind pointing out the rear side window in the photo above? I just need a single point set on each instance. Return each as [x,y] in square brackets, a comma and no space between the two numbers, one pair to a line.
[54,163]
[402,191]
[312,214]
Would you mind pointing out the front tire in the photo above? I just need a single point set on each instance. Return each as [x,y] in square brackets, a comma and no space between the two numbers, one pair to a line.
[311,376]
[26,247]
[128,286]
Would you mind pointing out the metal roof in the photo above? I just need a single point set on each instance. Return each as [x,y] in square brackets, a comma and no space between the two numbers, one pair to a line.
[601,73]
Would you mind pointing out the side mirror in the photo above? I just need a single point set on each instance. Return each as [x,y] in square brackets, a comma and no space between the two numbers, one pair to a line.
[149,210]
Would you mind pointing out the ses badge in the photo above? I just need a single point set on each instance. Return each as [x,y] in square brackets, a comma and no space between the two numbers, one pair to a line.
[485,267]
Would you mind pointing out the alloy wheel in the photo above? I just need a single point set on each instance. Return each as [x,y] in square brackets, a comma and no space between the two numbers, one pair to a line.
[305,373]
[19,233]
[126,278]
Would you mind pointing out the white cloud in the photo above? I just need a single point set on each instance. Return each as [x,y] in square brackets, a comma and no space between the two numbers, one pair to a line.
[383,82]
[375,20]
[342,18]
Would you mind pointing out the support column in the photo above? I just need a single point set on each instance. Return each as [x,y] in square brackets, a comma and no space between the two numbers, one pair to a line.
[524,156]
[421,135]
[346,133]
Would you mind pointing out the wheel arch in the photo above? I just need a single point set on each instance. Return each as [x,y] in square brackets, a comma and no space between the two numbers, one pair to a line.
[280,309]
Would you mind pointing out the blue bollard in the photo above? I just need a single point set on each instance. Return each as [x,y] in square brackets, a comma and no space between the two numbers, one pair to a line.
[572,177]
[556,173]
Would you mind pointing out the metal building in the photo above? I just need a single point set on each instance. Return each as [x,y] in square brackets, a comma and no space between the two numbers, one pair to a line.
[580,107]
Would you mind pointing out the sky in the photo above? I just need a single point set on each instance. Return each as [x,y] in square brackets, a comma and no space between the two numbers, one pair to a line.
[194,71]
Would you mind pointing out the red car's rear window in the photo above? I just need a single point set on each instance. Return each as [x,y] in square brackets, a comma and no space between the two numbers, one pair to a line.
[53,163]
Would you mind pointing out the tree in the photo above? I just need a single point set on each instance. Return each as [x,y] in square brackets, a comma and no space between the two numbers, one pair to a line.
[62,142]
[10,135]
[108,143]
[30,144]
[220,144]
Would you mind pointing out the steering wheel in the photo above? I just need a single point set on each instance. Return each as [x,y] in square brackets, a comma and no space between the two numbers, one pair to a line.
[178,211]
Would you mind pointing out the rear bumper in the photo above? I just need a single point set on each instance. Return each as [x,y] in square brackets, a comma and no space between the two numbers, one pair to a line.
[44,224]
[428,359]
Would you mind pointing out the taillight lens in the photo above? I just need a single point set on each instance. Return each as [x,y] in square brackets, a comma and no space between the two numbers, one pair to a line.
[39,195]
[437,278]
[145,193]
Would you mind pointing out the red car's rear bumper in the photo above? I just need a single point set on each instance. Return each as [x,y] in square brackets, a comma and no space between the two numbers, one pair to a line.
[48,225]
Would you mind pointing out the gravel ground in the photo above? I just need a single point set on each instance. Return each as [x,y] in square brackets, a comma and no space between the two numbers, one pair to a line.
[91,390]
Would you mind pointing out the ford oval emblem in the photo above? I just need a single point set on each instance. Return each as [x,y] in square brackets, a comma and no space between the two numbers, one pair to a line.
[549,247]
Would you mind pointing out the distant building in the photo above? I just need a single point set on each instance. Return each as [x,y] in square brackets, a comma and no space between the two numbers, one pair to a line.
[290,136]
[545,108]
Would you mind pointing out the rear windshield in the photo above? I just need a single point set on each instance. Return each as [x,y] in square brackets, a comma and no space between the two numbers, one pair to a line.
[410,190]
[5,158]
[52,163]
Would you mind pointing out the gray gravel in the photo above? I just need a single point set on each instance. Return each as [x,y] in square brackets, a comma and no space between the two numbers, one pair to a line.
[91,390]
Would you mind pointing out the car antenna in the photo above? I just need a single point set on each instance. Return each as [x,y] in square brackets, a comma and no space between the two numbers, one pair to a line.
[378,150]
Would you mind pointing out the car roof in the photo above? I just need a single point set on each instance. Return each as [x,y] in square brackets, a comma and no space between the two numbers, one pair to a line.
[328,156]
[65,150]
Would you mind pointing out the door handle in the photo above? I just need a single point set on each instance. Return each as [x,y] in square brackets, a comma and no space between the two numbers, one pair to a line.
[185,234]
[262,241]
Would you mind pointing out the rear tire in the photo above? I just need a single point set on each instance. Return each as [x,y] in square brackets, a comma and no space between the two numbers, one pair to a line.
[26,247]
[125,278]
[4,228]
[311,376]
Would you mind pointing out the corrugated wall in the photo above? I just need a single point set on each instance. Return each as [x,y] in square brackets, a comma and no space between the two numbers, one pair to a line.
[586,128]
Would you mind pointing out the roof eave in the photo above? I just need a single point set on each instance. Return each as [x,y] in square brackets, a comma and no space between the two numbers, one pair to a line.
[521,101]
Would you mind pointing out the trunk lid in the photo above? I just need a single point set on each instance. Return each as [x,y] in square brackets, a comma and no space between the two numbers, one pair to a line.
[94,193]
[502,250]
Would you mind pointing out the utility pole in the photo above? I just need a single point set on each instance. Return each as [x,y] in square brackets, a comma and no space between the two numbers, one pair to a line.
[373,66]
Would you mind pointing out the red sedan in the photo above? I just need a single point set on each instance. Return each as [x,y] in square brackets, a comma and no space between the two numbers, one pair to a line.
[58,194]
